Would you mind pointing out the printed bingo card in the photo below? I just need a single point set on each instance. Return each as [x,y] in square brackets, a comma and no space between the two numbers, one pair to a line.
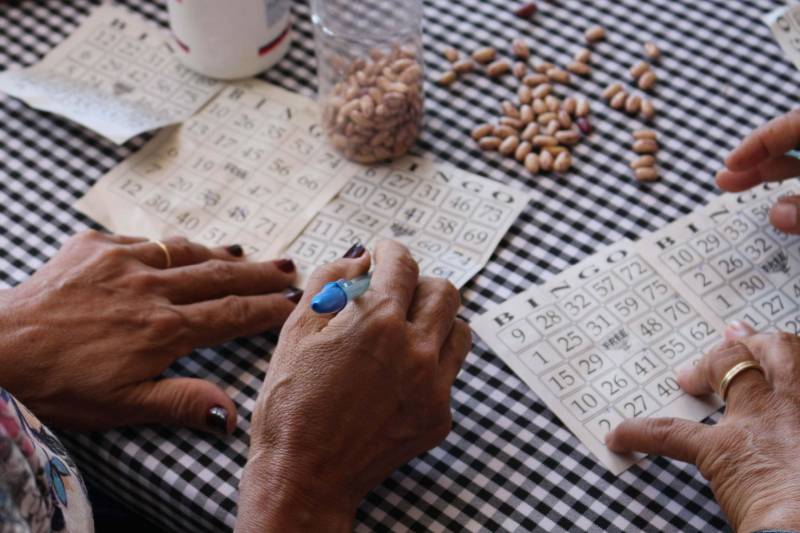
[729,261]
[247,169]
[116,75]
[785,25]
[600,343]
[451,220]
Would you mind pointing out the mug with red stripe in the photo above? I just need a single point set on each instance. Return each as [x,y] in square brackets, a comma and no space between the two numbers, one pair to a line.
[232,38]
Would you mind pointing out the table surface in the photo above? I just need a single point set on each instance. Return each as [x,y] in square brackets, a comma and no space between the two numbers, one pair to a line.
[508,464]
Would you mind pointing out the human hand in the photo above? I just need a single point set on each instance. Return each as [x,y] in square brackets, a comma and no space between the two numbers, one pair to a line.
[82,340]
[761,158]
[350,398]
[750,457]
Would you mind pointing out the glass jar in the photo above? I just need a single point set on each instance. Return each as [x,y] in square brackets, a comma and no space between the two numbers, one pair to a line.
[370,67]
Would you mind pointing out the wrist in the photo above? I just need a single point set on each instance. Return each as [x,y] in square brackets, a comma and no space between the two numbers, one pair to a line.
[276,496]
[778,517]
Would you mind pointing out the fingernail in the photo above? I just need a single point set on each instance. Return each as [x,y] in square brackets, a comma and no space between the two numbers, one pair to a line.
[235,250]
[293,295]
[285,265]
[217,419]
[784,215]
[355,251]
[738,329]
[682,374]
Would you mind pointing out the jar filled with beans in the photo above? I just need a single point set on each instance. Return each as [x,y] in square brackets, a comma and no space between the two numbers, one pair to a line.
[370,68]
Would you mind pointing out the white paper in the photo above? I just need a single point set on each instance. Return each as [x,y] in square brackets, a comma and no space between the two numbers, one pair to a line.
[785,25]
[247,169]
[600,343]
[116,75]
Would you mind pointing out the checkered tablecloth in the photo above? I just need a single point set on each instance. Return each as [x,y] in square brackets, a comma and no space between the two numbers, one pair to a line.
[509,464]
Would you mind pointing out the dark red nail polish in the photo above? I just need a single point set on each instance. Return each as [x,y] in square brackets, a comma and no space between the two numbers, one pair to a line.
[293,295]
[235,250]
[285,265]
[355,251]
[217,419]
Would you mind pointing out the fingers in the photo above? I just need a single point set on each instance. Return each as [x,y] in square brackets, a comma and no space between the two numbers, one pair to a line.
[454,352]
[213,322]
[785,215]
[182,252]
[779,355]
[706,377]
[771,140]
[670,437]
[216,279]
[304,321]
[185,402]
[433,309]
[395,276]
[775,169]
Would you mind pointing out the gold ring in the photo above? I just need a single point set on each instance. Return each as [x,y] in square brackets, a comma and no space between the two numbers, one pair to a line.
[167,255]
[731,374]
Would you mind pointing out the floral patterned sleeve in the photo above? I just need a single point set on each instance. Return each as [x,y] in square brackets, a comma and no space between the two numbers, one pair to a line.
[41,490]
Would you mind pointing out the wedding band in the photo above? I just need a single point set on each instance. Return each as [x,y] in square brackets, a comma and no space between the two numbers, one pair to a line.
[167,255]
[731,374]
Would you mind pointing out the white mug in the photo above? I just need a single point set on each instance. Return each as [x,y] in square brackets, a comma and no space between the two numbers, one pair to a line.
[230,39]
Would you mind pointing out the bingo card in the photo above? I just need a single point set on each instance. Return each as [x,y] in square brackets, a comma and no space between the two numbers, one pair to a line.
[248,169]
[785,25]
[451,220]
[601,341]
[116,75]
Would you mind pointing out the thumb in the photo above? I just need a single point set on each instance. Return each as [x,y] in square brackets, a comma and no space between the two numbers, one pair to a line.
[186,402]
[671,437]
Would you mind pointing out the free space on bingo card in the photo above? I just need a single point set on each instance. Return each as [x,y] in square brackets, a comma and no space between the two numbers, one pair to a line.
[731,263]
[450,219]
[116,75]
[247,169]
[601,342]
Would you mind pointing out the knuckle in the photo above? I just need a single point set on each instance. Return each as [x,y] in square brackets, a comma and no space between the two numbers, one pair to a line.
[164,323]
[144,281]
[237,309]
[221,272]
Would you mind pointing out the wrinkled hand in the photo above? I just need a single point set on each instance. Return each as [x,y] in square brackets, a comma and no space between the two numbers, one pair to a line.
[750,458]
[350,398]
[761,158]
[82,340]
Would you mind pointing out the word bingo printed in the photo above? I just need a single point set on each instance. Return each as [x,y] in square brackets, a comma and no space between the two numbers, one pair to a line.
[601,341]
[247,169]
[116,75]
[451,220]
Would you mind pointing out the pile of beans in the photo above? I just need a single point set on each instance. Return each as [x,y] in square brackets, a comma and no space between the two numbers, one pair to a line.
[645,144]
[375,113]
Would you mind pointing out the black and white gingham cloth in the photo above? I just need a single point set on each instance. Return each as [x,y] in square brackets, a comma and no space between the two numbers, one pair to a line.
[508,464]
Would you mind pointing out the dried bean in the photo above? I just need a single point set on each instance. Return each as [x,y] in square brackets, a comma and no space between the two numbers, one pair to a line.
[643,161]
[524,94]
[646,174]
[447,78]
[463,66]
[545,161]
[532,163]
[509,145]
[569,105]
[540,91]
[633,103]
[645,134]
[552,127]
[558,75]
[618,102]
[539,106]
[498,68]
[562,162]
[484,130]
[595,34]
[490,143]
[522,151]
[581,69]
[651,50]
[648,110]
[520,49]
[451,54]
[519,70]
[582,108]
[553,103]
[526,114]
[530,131]
[532,80]
[564,119]
[502,131]
[647,81]
[544,140]
[645,146]
[542,68]
[526,11]
[638,69]
[509,109]
[585,125]
[568,137]
[584,55]
[484,55]
[612,90]
[544,118]
[512,122]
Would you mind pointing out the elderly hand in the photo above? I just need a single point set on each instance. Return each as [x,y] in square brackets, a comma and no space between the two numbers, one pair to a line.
[750,458]
[350,398]
[82,340]
[761,158]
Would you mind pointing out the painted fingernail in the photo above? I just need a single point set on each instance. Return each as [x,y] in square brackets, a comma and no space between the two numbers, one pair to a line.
[738,329]
[785,215]
[285,265]
[235,250]
[355,251]
[293,295]
[217,419]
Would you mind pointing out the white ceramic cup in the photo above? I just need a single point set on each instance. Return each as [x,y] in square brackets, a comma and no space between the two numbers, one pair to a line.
[230,39]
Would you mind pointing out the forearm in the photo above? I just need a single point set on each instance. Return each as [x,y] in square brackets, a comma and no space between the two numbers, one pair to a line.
[272,498]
